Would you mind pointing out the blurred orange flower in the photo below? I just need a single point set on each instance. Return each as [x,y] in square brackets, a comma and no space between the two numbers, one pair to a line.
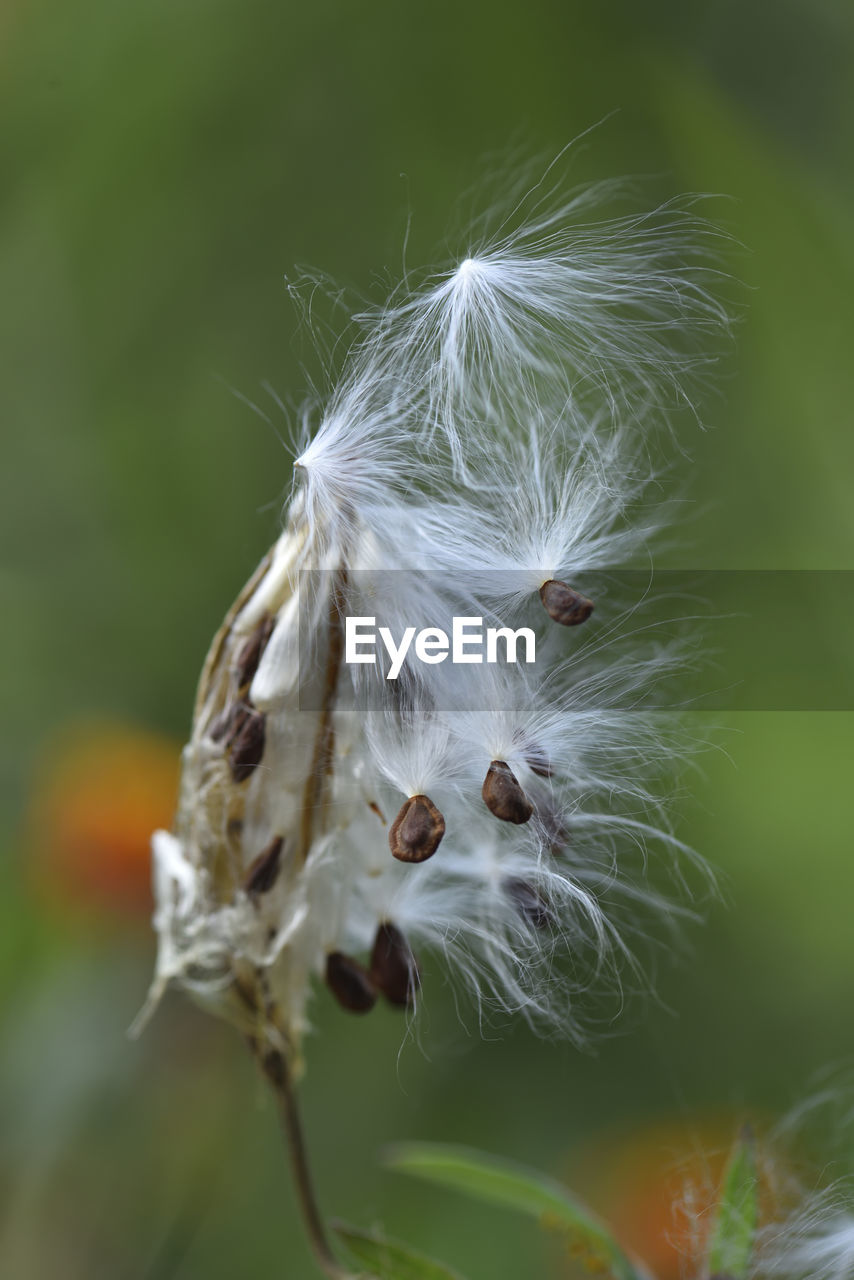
[99,791]
[656,1186]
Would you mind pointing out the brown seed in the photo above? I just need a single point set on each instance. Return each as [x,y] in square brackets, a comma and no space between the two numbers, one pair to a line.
[534,755]
[563,604]
[553,822]
[538,762]
[503,795]
[226,724]
[350,983]
[558,835]
[264,870]
[251,651]
[529,902]
[246,745]
[415,834]
[393,967]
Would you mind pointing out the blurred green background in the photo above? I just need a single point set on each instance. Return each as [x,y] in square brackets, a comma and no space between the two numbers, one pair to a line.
[163,166]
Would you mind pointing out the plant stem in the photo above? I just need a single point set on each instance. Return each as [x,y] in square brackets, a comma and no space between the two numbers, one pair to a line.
[277,1071]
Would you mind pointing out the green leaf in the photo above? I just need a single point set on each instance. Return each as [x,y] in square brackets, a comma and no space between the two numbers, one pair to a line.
[498,1181]
[731,1245]
[389,1260]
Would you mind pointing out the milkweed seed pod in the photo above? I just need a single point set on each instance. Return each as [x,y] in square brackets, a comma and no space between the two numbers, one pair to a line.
[363,818]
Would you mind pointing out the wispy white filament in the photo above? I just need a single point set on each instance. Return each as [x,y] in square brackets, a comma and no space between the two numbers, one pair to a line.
[816,1242]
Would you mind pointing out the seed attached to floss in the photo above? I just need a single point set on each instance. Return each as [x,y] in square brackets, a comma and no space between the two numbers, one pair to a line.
[563,604]
[538,762]
[246,745]
[416,832]
[224,725]
[554,825]
[350,983]
[503,795]
[529,902]
[393,968]
[264,870]
[252,650]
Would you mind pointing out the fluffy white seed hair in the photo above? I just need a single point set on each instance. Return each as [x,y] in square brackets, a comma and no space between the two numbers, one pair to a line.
[560,307]
[485,447]
[816,1241]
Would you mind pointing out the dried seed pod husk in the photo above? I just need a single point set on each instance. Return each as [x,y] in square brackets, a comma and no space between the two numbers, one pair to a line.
[246,746]
[350,983]
[564,604]
[394,970]
[264,870]
[529,902]
[504,796]
[416,832]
